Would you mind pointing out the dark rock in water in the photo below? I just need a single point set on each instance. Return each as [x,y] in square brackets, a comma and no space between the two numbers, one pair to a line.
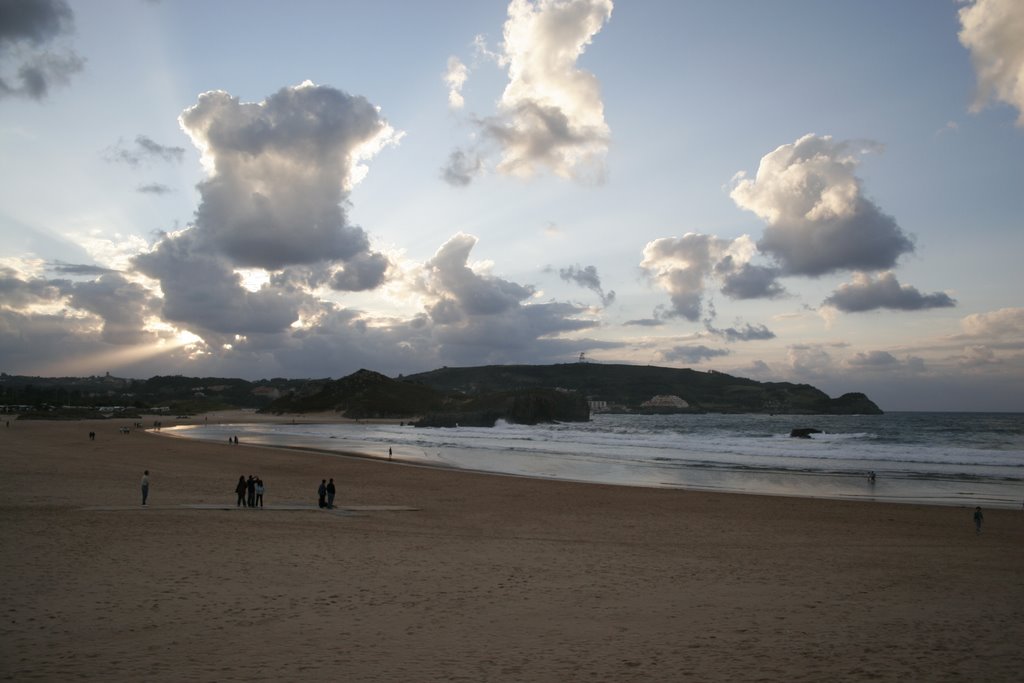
[804,432]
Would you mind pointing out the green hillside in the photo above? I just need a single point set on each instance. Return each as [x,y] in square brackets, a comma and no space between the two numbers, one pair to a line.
[627,387]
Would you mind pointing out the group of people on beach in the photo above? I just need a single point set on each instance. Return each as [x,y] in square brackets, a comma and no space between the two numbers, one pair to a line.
[250,491]
[325,493]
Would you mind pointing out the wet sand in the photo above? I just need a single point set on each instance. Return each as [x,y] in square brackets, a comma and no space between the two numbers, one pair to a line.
[431,575]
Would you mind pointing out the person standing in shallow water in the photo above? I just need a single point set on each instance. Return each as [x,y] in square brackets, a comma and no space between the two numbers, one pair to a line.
[145,486]
[978,519]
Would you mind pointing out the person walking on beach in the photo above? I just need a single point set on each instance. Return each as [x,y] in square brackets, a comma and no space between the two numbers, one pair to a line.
[145,486]
[978,519]
[330,493]
[259,492]
[240,490]
[321,493]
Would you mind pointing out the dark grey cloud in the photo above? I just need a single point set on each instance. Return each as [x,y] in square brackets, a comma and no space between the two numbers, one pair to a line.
[30,342]
[122,305]
[746,332]
[77,268]
[302,277]
[645,322]
[866,240]
[587,278]
[513,337]
[145,149]
[483,318]
[463,293]
[818,219]
[748,281]
[867,294]
[203,293]
[159,151]
[692,354]
[28,66]
[461,168]
[364,271]
[17,293]
[33,21]
[153,188]
[471,318]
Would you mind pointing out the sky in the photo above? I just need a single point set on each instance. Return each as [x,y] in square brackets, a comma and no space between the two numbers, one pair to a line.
[829,193]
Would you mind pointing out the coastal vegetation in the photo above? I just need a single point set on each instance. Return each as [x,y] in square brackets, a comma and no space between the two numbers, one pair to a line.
[525,394]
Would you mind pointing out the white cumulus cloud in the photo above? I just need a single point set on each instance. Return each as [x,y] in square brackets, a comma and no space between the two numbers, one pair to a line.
[280,170]
[685,266]
[455,77]
[1006,322]
[993,32]
[550,115]
[818,219]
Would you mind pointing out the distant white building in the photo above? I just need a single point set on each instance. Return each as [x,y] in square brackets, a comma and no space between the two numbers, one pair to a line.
[665,401]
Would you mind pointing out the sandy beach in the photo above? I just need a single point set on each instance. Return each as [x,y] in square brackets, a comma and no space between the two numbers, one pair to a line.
[423,574]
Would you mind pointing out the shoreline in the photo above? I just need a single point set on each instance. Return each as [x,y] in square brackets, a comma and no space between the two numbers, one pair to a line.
[488,578]
[836,484]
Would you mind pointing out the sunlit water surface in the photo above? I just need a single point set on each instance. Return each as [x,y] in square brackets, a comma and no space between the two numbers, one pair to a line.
[933,458]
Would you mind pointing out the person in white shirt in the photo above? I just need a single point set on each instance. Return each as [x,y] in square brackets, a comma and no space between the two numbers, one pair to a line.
[145,486]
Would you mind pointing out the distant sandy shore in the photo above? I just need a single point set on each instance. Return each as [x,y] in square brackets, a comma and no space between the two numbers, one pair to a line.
[432,575]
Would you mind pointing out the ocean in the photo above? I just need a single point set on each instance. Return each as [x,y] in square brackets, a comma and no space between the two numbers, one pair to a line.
[962,459]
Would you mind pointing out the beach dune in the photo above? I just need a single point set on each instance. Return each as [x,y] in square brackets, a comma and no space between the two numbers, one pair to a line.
[431,575]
